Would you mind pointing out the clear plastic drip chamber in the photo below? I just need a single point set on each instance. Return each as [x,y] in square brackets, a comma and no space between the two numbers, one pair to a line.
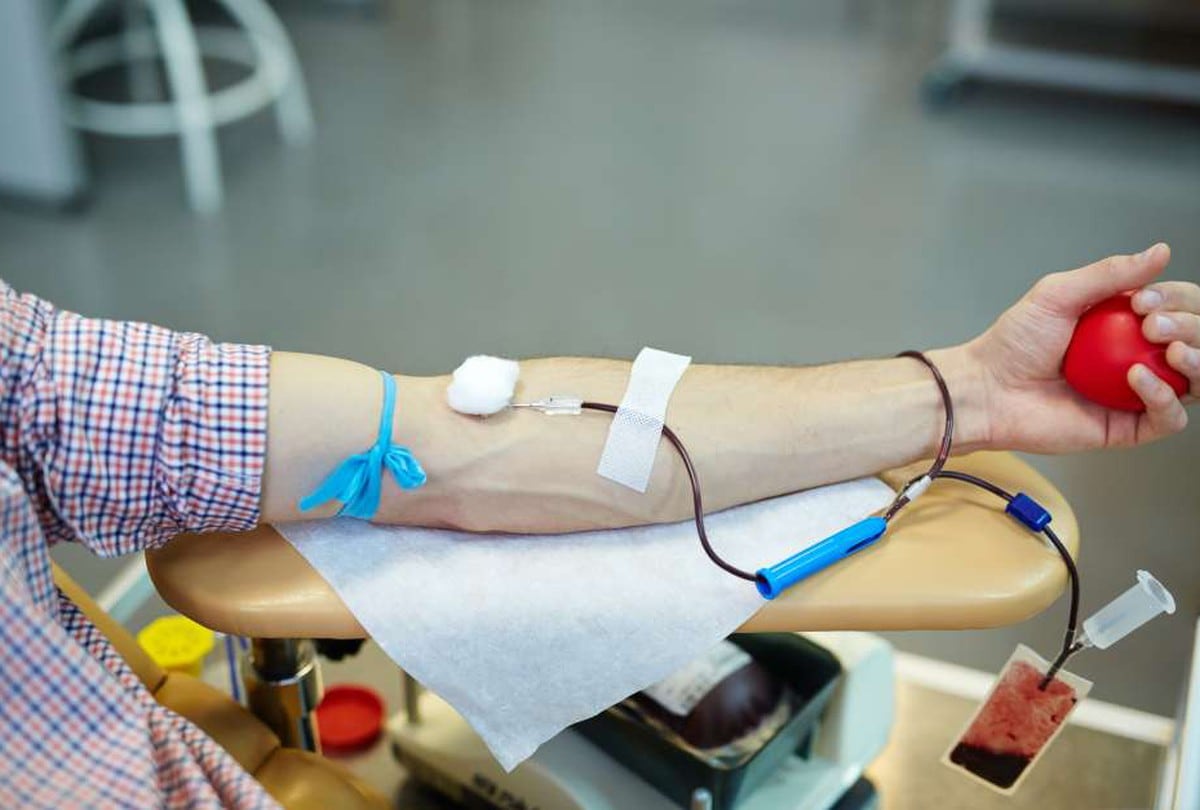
[1129,611]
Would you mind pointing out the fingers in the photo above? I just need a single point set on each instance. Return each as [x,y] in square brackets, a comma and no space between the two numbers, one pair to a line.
[1172,310]
[1165,414]
[1163,327]
[1168,296]
[1186,360]
[1072,292]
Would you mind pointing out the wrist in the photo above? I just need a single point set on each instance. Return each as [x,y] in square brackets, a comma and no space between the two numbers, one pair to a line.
[966,378]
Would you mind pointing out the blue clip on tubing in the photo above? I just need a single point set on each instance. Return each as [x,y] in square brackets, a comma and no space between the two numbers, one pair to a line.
[782,575]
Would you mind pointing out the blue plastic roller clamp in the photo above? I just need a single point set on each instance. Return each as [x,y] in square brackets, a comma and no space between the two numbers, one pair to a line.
[782,575]
[1029,512]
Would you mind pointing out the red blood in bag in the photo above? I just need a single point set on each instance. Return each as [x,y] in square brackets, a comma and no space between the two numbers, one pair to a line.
[1014,725]
[1019,718]
[1108,340]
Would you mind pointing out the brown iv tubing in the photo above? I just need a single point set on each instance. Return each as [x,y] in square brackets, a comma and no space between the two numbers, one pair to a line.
[936,470]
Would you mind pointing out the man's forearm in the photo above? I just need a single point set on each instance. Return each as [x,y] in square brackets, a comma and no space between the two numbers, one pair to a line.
[753,432]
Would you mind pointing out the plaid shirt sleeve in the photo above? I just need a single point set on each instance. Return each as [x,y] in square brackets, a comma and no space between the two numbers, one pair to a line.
[126,434]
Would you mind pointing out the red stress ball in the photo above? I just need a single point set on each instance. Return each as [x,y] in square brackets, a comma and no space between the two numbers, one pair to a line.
[1108,340]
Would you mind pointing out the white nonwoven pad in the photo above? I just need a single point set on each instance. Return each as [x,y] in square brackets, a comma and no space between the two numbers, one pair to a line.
[525,635]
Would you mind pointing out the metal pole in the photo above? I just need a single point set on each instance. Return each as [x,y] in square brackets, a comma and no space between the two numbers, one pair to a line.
[283,688]
[412,699]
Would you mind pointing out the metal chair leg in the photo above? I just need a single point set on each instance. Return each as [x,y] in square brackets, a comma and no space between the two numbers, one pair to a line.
[144,83]
[197,133]
[70,20]
[292,110]
[283,687]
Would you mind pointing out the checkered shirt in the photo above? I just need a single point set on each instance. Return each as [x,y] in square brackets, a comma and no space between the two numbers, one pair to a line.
[118,436]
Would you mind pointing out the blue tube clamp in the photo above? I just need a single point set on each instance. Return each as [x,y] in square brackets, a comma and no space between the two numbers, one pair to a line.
[782,575]
[1029,512]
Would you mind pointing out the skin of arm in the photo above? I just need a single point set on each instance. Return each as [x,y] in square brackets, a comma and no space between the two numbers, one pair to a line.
[753,432]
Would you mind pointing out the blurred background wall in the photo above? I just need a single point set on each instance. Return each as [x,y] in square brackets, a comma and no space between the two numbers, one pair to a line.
[747,181]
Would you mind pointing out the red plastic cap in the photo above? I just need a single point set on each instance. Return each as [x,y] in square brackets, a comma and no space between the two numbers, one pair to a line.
[1108,341]
[349,718]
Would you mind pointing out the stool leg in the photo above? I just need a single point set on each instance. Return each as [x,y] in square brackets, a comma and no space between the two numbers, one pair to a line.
[144,84]
[283,687]
[185,71]
[292,110]
[70,20]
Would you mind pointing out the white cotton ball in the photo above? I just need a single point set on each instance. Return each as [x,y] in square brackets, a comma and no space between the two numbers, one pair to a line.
[483,385]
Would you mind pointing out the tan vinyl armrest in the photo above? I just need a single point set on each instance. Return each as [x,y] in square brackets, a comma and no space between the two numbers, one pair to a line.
[953,559]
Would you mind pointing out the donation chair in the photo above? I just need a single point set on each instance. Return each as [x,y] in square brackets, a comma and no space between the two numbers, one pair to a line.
[298,780]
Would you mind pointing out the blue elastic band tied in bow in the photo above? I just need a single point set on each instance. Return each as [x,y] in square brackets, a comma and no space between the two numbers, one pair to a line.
[357,481]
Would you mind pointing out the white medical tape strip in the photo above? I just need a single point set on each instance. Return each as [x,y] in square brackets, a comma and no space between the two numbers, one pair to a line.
[628,456]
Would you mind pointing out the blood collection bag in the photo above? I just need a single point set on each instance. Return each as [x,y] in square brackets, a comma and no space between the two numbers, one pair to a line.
[1016,723]
[724,705]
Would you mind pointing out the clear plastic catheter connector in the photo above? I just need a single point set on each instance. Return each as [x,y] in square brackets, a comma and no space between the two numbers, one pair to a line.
[557,405]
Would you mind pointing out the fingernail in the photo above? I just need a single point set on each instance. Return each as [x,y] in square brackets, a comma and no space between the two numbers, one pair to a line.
[1191,359]
[1149,252]
[1149,299]
[1142,376]
[1163,325]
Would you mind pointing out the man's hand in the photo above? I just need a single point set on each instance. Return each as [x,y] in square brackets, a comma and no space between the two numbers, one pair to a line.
[1029,405]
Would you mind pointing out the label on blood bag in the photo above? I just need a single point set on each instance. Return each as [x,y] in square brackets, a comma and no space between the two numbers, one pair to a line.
[679,693]
[1016,723]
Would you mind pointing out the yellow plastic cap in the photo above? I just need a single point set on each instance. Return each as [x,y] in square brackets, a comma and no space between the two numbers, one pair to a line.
[176,643]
